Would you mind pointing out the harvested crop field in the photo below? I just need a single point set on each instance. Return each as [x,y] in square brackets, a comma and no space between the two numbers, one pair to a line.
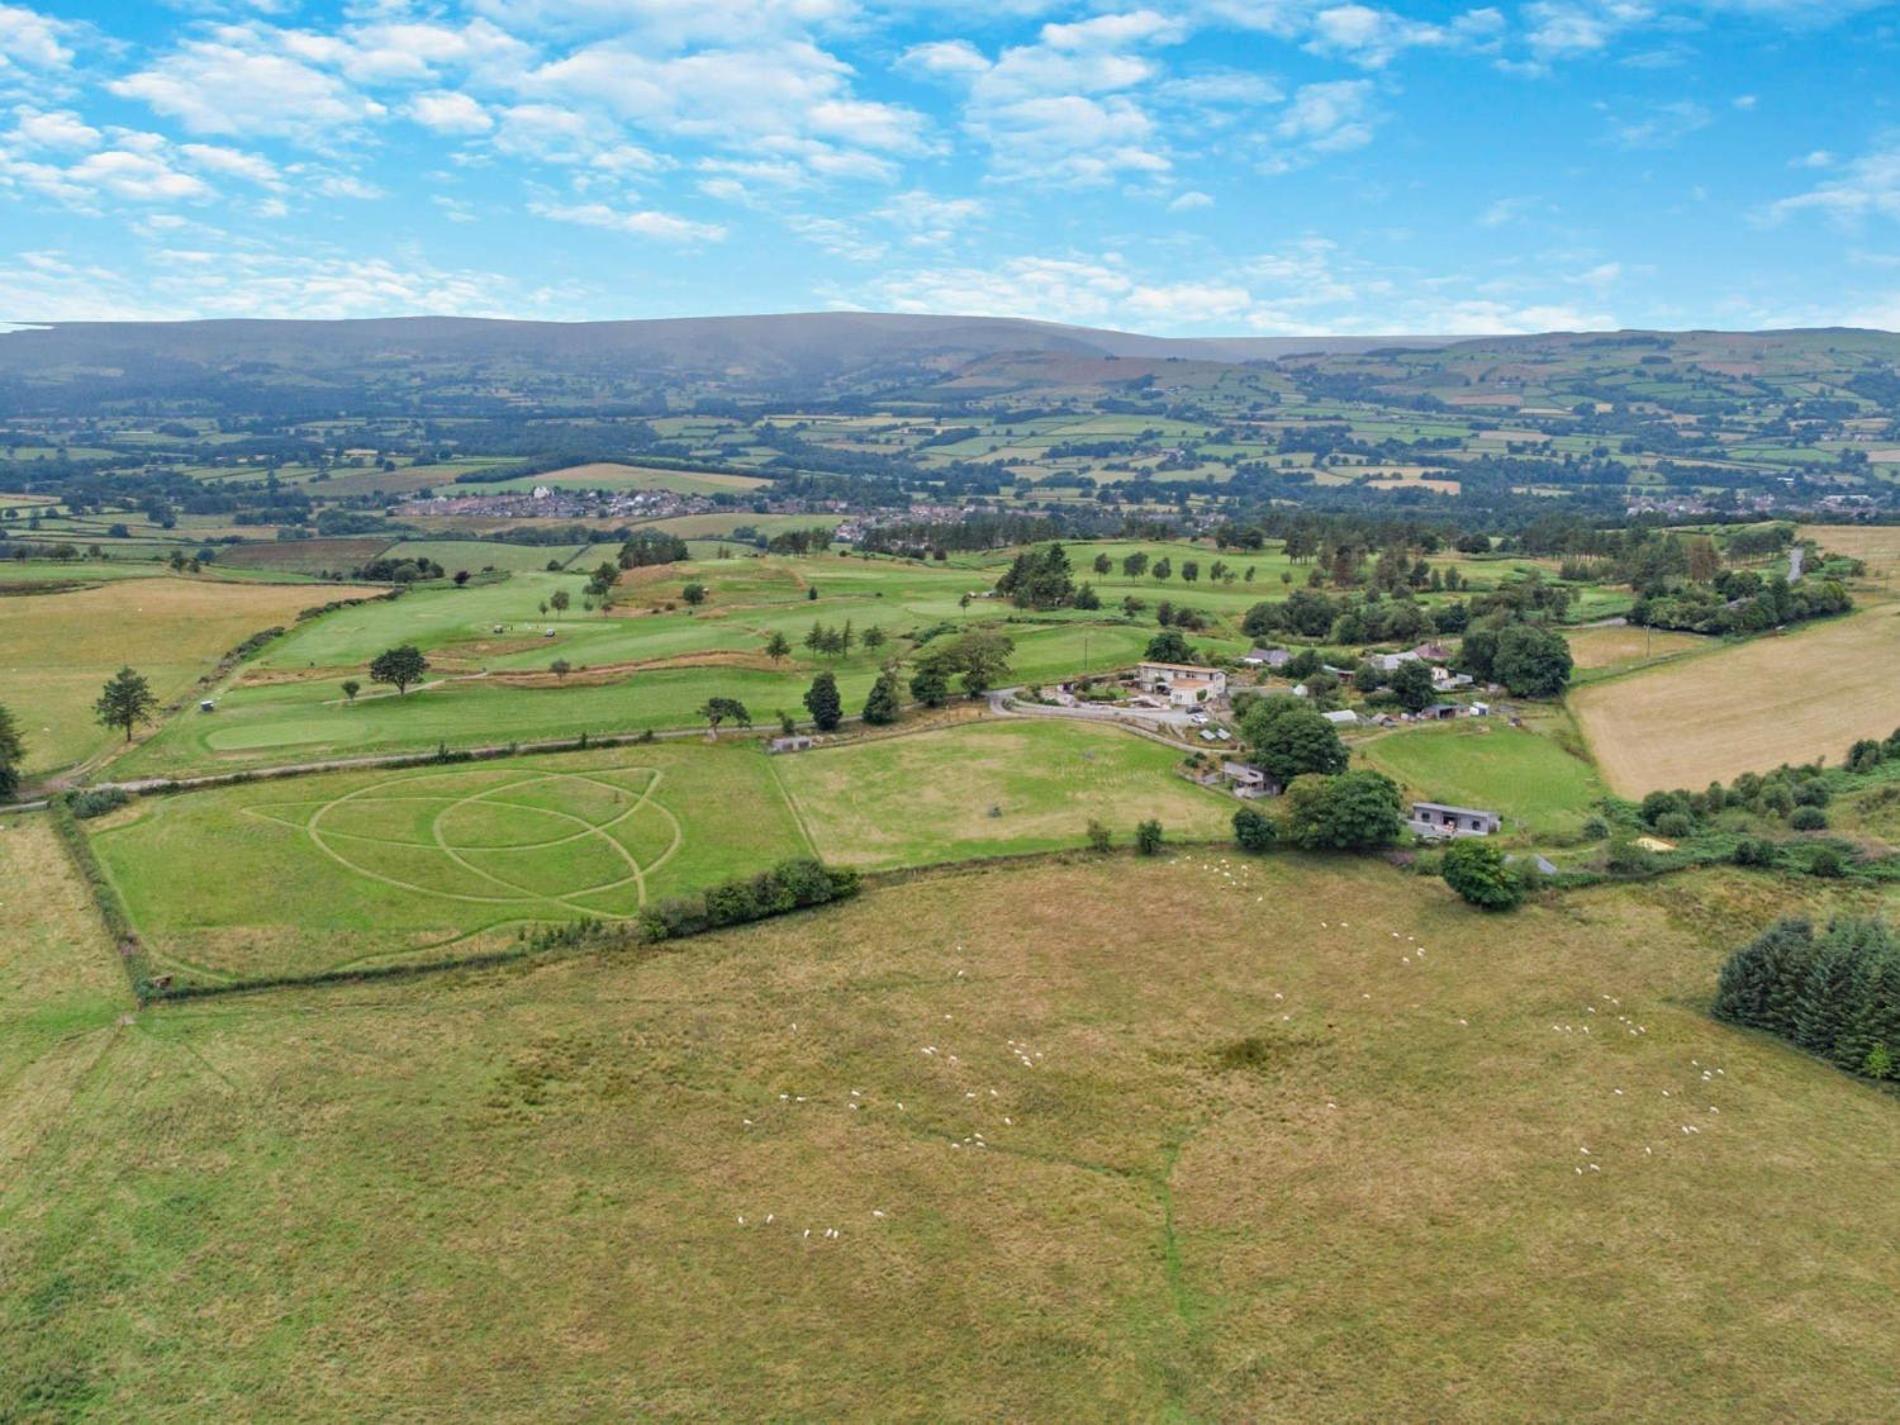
[1748,708]
[1621,645]
[59,649]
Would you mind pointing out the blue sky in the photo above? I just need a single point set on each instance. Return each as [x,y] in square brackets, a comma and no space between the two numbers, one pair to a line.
[1184,166]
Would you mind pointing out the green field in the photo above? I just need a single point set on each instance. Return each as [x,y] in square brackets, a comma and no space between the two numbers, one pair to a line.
[988,789]
[1125,1140]
[316,873]
[640,665]
[1527,776]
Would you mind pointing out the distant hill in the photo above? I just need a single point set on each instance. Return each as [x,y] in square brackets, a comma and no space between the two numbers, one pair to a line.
[801,348]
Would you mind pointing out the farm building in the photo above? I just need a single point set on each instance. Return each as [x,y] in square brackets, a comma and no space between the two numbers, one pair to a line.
[1267,658]
[1392,662]
[1432,652]
[1248,780]
[1345,717]
[1184,684]
[797,743]
[1437,819]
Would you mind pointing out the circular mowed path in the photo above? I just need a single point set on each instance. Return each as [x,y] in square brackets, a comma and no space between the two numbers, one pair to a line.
[535,838]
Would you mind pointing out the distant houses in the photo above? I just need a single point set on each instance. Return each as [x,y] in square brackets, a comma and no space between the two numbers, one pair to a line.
[1273,659]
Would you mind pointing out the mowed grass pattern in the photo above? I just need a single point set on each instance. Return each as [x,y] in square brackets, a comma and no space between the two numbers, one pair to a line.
[319,872]
[991,788]
[1206,1138]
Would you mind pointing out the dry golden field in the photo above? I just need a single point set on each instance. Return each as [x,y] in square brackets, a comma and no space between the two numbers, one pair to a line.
[1594,648]
[1747,708]
[1878,546]
[58,649]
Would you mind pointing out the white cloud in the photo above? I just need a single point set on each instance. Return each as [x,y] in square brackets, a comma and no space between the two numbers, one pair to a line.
[448,112]
[233,163]
[344,185]
[1867,187]
[1663,126]
[1184,202]
[232,85]
[1059,110]
[666,227]
[30,41]
[927,218]
[1059,289]
[1374,38]
[60,129]
[128,171]
[1335,116]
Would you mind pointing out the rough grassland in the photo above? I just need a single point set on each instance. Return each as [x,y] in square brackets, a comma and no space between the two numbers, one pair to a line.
[1747,708]
[58,649]
[311,874]
[1596,648]
[989,789]
[60,989]
[1526,776]
[1245,1162]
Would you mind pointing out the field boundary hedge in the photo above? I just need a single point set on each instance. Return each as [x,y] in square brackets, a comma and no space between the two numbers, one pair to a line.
[105,897]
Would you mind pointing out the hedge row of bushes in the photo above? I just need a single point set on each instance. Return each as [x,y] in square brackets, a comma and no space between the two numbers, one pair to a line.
[96,802]
[138,966]
[788,886]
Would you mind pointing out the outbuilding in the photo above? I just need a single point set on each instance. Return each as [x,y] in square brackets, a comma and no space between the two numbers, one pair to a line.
[1439,819]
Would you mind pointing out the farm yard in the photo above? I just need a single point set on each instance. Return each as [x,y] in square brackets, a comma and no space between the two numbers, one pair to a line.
[1057,1141]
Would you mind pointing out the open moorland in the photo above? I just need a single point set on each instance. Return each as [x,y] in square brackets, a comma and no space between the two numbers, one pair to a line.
[1201,1138]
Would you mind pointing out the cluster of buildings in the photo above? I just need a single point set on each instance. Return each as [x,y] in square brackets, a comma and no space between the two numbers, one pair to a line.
[546,502]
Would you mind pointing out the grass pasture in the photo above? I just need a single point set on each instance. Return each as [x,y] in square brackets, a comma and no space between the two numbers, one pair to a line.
[1526,776]
[1097,1141]
[321,872]
[476,555]
[1747,708]
[990,788]
[59,649]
